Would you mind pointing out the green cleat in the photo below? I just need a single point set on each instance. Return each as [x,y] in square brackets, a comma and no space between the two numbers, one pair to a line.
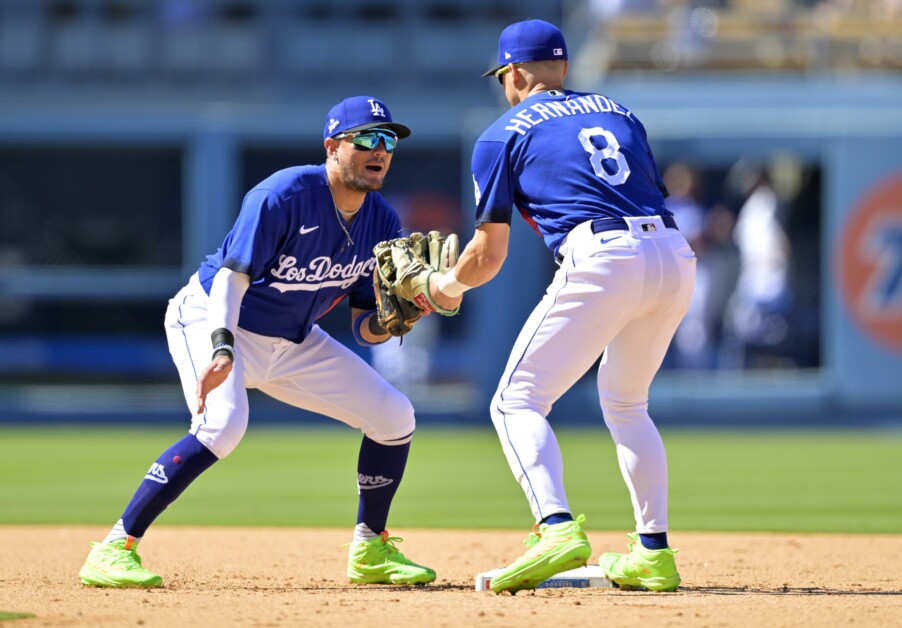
[117,564]
[378,561]
[553,549]
[654,570]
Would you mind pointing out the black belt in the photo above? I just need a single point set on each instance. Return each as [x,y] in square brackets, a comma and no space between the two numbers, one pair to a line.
[616,222]
[609,224]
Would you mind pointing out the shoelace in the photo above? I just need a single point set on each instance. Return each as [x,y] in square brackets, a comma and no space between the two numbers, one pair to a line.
[388,543]
[122,556]
[634,540]
[534,537]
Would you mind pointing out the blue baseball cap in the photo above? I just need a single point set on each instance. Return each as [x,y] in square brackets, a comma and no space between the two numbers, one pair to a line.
[359,113]
[530,40]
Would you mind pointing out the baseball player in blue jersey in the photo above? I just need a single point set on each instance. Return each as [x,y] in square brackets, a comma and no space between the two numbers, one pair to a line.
[302,243]
[579,169]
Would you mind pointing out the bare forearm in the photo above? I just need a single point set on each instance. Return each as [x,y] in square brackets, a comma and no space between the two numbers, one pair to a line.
[477,265]
[480,261]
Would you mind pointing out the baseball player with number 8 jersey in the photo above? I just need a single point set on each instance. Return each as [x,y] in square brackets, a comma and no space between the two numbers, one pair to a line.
[579,169]
[303,242]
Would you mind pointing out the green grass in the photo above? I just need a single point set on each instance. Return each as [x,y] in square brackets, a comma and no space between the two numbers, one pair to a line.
[6,615]
[814,481]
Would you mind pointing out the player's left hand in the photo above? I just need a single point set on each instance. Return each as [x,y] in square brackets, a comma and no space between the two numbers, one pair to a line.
[215,374]
[396,316]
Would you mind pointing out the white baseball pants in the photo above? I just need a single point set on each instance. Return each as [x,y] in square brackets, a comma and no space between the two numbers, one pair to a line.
[621,292]
[319,374]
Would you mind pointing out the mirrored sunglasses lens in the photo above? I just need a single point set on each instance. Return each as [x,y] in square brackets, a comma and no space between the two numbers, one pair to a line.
[369,141]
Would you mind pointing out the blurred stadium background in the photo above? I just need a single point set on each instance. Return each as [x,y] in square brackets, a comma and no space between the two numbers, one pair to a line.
[130,129]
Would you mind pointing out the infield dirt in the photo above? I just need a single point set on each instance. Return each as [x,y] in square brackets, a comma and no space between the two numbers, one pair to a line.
[295,577]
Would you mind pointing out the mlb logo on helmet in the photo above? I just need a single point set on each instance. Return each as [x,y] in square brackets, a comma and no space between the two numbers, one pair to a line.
[359,113]
[530,40]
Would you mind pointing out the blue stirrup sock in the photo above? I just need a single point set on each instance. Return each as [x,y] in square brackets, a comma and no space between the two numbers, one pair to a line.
[654,541]
[560,517]
[379,472]
[167,478]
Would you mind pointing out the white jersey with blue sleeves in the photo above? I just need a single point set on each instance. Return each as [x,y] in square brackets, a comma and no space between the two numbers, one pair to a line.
[562,158]
[288,238]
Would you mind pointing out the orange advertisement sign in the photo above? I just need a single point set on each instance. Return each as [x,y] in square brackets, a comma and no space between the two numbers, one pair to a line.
[871,263]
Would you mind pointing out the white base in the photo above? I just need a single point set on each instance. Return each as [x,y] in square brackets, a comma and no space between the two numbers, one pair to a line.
[580,578]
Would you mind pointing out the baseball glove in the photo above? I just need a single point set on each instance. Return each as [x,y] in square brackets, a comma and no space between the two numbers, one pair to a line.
[396,316]
[403,267]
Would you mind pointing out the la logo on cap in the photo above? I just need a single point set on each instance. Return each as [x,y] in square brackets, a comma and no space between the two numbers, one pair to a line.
[376,109]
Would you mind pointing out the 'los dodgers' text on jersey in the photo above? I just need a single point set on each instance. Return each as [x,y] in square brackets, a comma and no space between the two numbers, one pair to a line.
[314,276]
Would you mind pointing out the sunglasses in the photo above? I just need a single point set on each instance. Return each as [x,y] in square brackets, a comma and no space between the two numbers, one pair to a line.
[368,140]
[500,73]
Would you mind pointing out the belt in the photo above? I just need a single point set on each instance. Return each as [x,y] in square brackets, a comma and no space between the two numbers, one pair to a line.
[616,222]
[612,223]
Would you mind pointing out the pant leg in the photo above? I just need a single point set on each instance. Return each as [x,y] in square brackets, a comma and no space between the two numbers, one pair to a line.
[223,424]
[322,375]
[563,337]
[630,363]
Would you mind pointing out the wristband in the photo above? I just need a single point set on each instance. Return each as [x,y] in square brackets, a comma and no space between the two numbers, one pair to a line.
[356,327]
[450,286]
[223,349]
[222,336]
[223,343]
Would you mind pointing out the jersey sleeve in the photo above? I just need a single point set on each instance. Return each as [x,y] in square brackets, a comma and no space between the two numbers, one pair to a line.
[252,242]
[362,295]
[493,182]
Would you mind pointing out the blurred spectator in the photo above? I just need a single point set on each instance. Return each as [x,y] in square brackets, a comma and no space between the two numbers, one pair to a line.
[689,347]
[756,313]
[684,185]
[718,271]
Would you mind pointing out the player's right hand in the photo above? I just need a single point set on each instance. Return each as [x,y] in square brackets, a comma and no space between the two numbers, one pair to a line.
[441,299]
[215,374]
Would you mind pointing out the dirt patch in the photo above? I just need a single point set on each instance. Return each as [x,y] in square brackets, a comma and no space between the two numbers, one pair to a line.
[295,577]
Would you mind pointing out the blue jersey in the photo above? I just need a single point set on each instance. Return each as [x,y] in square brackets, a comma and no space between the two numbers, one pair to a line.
[563,158]
[289,239]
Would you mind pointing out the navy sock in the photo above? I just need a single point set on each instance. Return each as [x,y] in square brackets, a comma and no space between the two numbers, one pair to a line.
[559,517]
[167,478]
[655,541]
[379,472]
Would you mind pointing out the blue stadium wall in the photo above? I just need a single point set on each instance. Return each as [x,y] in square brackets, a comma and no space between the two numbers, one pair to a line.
[850,127]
